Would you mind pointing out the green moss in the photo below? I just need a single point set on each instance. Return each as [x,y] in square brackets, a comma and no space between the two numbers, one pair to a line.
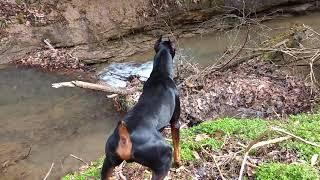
[278,171]
[21,18]
[3,23]
[213,134]
[291,38]
[306,126]
[245,129]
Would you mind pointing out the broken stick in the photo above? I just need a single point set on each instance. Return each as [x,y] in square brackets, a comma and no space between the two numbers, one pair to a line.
[93,86]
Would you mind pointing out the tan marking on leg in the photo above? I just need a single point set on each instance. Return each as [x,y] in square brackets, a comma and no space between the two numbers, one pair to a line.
[124,145]
[176,145]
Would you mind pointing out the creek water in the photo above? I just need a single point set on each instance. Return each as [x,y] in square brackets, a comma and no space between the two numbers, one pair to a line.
[205,50]
[54,123]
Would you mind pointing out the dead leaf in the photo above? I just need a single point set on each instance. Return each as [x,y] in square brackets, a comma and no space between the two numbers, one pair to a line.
[201,137]
[314,159]
[196,155]
[218,134]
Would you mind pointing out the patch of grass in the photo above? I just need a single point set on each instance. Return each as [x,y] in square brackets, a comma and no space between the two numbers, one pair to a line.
[279,171]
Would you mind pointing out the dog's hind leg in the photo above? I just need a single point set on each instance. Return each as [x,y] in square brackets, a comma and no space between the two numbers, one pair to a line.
[175,132]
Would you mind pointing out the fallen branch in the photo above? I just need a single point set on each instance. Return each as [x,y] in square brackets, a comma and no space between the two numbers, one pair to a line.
[240,61]
[48,173]
[93,86]
[257,145]
[272,141]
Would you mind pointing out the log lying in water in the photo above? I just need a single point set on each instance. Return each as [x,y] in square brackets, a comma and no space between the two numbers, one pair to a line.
[93,86]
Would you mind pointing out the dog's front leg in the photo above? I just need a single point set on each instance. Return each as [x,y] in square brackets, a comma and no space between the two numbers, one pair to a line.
[175,132]
[158,176]
[108,166]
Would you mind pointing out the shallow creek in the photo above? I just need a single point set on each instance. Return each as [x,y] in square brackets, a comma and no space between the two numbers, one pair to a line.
[40,125]
[54,123]
[203,50]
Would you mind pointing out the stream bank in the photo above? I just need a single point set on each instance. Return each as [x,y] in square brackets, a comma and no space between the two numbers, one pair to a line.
[99,31]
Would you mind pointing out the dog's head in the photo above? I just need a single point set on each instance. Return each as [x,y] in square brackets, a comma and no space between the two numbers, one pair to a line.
[165,44]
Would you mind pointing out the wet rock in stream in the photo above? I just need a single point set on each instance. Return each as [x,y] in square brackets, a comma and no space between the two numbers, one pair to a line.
[118,74]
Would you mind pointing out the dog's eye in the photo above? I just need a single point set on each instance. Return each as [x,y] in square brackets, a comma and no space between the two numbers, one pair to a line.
[123,141]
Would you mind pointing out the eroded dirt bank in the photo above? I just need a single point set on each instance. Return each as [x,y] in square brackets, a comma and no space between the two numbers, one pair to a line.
[98,31]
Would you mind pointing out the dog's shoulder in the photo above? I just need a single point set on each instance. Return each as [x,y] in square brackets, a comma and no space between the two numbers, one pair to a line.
[160,81]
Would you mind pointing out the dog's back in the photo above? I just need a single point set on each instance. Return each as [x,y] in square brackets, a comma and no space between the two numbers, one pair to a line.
[157,102]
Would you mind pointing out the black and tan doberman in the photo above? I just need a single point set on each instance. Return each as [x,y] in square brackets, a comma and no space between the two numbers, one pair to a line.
[137,137]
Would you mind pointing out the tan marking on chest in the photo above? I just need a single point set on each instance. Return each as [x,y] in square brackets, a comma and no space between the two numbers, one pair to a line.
[124,145]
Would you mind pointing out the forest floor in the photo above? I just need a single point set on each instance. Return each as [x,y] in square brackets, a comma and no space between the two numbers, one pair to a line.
[253,121]
[275,149]
[246,121]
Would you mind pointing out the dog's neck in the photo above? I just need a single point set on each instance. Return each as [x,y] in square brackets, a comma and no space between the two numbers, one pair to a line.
[163,63]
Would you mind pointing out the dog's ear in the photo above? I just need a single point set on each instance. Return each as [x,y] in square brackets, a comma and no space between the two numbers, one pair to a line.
[124,145]
[156,45]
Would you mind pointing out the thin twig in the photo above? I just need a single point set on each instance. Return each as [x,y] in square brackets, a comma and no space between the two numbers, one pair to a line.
[28,153]
[309,28]
[79,159]
[295,136]
[215,162]
[46,41]
[236,54]
[243,165]
[48,173]
[272,141]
